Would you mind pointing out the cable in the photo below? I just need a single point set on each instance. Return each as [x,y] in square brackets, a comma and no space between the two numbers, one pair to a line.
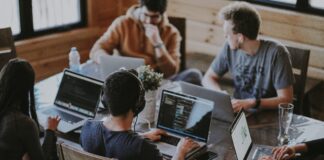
[135,124]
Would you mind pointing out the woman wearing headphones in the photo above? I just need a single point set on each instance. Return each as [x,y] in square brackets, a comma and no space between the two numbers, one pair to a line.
[123,95]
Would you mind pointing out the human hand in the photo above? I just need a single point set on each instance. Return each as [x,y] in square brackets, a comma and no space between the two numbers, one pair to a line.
[152,33]
[239,104]
[52,123]
[283,153]
[185,145]
[154,135]
[148,60]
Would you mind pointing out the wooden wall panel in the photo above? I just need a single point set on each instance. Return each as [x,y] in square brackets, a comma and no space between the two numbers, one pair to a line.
[49,54]
[204,30]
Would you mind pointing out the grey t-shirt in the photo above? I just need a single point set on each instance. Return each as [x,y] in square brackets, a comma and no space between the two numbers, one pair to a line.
[257,76]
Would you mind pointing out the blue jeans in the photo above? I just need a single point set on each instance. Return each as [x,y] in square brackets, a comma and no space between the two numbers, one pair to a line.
[191,75]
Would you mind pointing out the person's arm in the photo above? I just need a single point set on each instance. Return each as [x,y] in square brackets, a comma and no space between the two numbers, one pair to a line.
[210,80]
[284,95]
[287,152]
[107,42]
[217,69]
[49,144]
[167,55]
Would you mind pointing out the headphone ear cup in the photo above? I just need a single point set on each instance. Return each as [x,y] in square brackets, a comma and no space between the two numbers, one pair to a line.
[103,101]
[140,103]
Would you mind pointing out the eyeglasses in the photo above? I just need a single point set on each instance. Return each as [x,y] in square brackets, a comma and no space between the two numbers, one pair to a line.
[155,16]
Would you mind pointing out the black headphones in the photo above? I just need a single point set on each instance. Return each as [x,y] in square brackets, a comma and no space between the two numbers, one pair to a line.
[140,103]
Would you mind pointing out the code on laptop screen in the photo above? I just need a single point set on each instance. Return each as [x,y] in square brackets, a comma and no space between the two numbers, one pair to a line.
[78,93]
[185,115]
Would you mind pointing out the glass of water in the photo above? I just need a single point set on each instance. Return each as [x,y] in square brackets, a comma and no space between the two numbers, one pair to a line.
[285,118]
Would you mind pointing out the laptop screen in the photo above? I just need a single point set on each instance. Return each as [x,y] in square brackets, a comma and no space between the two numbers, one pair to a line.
[185,115]
[241,136]
[79,93]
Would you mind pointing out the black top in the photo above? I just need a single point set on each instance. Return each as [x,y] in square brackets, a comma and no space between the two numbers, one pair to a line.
[19,135]
[96,138]
[315,147]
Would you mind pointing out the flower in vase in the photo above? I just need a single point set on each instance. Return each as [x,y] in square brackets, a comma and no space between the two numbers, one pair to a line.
[150,79]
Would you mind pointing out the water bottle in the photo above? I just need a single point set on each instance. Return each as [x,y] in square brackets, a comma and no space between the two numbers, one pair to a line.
[74,60]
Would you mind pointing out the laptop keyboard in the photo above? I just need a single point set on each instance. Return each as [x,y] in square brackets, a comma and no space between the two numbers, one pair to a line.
[170,140]
[64,116]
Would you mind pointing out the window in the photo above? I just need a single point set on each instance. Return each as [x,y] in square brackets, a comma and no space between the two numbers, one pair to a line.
[307,6]
[9,16]
[29,18]
[319,4]
[286,1]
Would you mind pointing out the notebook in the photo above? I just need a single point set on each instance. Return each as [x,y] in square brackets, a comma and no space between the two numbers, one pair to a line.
[223,110]
[182,115]
[242,141]
[76,101]
[109,64]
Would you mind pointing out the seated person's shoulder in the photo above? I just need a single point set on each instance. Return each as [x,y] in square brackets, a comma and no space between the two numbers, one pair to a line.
[276,47]
[91,126]
[18,118]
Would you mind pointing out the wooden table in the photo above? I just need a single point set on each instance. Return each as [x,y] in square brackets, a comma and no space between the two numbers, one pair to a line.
[263,124]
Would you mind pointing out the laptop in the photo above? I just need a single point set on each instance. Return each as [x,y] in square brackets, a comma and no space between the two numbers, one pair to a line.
[223,110]
[109,64]
[76,101]
[182,115]
[243,145]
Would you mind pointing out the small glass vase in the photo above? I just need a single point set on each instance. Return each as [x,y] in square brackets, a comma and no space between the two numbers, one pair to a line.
[148,113]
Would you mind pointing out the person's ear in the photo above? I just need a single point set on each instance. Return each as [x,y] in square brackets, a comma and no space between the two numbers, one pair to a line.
[240,38]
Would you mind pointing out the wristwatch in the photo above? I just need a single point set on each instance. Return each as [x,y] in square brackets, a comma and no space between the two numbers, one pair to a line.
[159,45]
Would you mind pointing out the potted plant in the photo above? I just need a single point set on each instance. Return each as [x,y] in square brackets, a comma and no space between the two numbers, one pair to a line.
[151,81]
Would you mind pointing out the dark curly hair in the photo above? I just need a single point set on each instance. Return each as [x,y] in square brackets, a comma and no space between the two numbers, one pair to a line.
[155,5]
[245,18]
[17,80]
[121,92]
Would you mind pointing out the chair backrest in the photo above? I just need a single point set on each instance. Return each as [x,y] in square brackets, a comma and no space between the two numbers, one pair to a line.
[7,46]
[68,152]
[299,60]
[180,24]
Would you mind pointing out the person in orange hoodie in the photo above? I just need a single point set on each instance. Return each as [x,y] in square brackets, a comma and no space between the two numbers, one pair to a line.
[145,32]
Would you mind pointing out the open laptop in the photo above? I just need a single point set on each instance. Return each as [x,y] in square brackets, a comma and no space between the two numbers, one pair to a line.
[223,109]
[243,145]
[109,64]
[180,116]
[76,101]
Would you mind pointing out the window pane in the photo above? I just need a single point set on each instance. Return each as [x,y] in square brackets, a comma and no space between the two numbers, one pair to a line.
[52,13]
[283,1]
[317,4]
[9,15]
[286,1]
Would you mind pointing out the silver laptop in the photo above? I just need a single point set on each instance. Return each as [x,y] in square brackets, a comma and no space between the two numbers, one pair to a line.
[243,145]
[223,109]
[76,101]
[109,64]
[180,116]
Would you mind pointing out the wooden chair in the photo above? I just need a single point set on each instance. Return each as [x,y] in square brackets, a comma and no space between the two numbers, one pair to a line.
[7,46]
[299,60]
[68,152]
[180,24]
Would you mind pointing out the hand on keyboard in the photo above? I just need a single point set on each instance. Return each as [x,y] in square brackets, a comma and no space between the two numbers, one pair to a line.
[186,145]
[52,123]
[154,135]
